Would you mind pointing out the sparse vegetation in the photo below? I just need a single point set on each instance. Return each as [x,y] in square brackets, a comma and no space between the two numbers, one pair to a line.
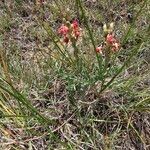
[74,75]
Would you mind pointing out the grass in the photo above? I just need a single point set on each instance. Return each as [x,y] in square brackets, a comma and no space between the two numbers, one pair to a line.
[68,96]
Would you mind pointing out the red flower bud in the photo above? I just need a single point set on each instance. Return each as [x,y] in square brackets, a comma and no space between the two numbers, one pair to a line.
[63,30]
[66,39]
[99,49]
[110,39]
[77,34]
[75,25]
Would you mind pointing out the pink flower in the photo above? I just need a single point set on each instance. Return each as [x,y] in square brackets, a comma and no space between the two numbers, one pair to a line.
[75,25]
[69,32]
[77,34]
[110,39]
[115,47]
[63,30]
[99,49]
[76,29]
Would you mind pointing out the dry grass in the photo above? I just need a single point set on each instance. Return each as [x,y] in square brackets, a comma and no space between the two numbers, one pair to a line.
[49,102]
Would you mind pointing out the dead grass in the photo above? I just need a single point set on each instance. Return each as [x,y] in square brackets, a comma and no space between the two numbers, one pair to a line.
[79,116]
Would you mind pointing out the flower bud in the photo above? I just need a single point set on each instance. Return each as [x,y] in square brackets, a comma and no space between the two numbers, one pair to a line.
[99,49]
[111,27]
[66,40]
[105,28]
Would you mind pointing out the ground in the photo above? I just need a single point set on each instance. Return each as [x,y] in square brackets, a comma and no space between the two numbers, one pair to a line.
[60,95]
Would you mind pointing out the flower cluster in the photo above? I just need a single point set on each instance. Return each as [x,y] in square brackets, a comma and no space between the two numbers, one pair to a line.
[69,31]
[110,40]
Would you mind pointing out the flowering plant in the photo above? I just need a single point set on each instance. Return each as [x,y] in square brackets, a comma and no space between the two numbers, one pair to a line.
[69,31]
[110,42]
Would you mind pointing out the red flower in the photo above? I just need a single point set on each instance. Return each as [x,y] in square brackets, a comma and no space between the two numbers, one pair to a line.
[63,30]
[77,34]
[69,32]
[110,39]
[99,49]
[76,29]
[75,25]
